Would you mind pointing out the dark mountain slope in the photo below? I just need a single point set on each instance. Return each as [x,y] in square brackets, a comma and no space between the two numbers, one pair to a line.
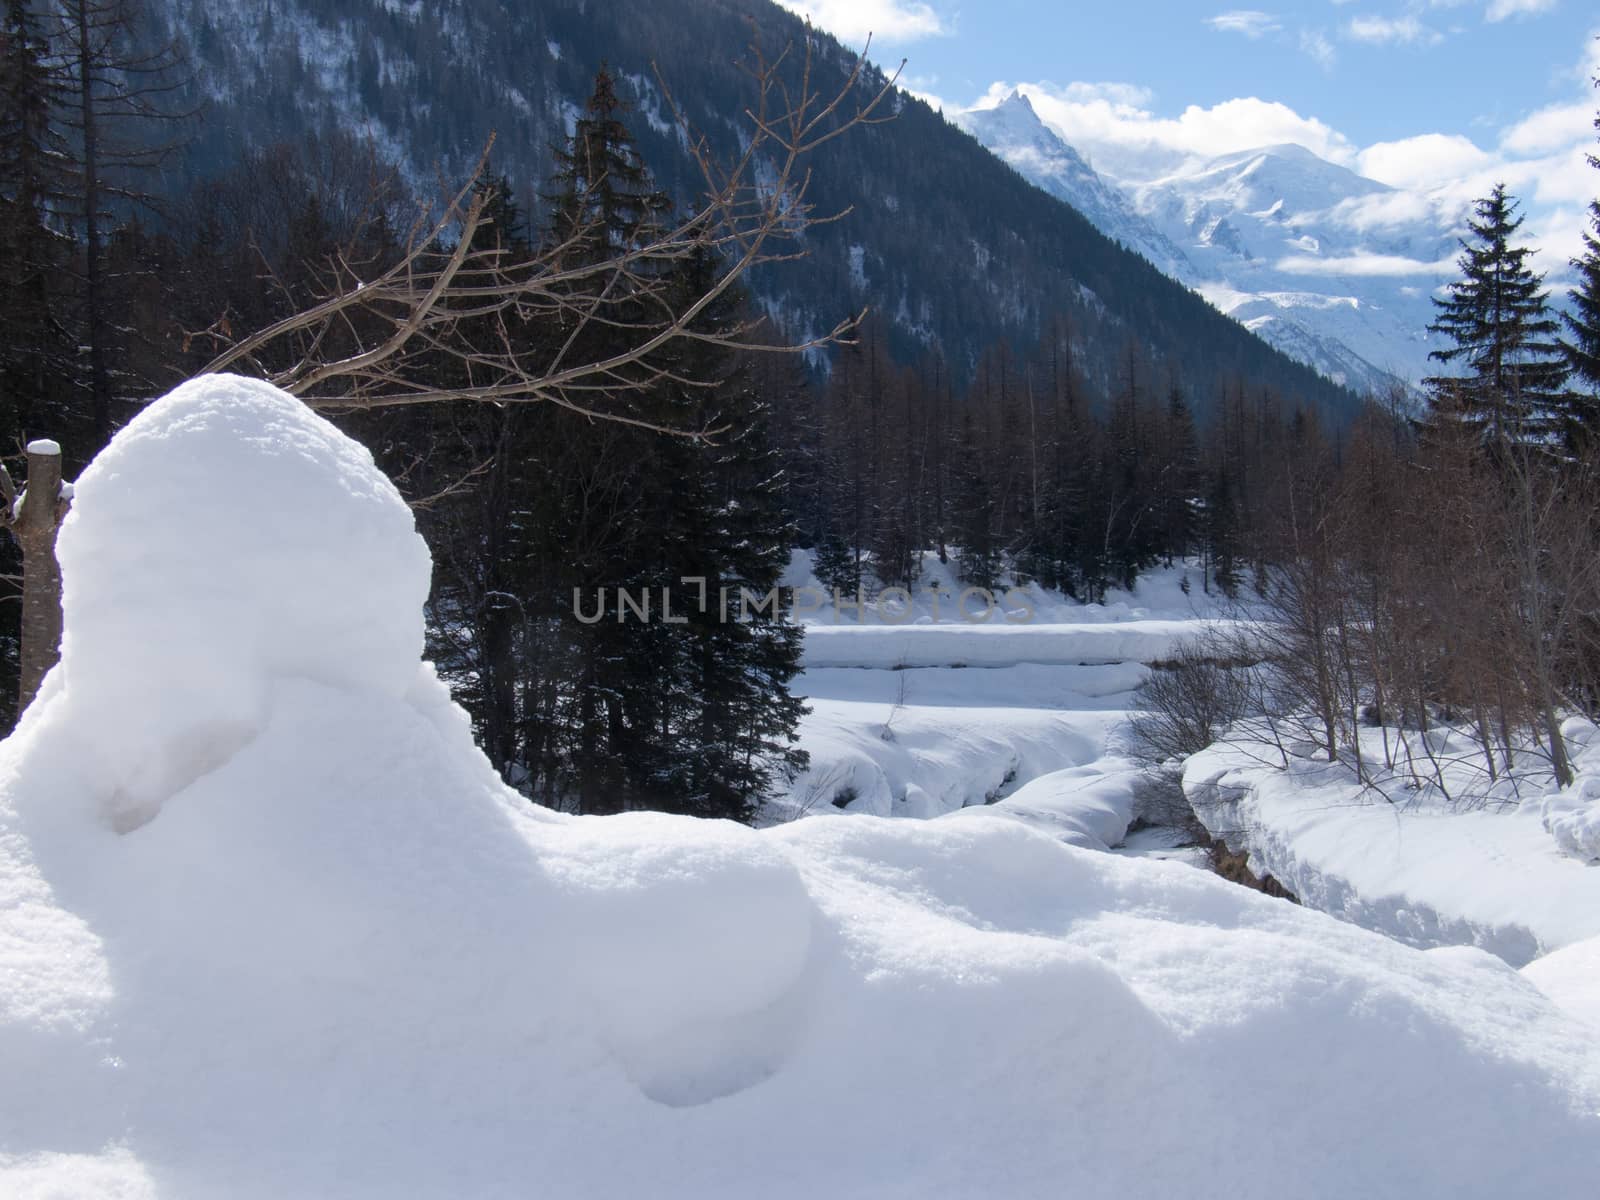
[955,248]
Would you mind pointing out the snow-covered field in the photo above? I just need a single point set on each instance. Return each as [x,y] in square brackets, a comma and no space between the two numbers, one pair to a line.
[271,927]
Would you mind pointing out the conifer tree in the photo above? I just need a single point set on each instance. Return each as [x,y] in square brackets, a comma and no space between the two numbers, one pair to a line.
[1177,478]
[1503,336]
[1222,534]
[1582,320]
[980,559]
[35,339]
[605,200]
[717,513]
[684,706]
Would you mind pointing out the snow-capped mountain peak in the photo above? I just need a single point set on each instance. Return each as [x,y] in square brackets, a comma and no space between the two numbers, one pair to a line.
[1266,234]
[1014,131]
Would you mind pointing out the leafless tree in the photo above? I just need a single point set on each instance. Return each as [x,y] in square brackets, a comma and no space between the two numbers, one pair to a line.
[374,340]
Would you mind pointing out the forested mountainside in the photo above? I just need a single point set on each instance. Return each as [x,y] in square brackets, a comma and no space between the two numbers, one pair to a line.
[954,248]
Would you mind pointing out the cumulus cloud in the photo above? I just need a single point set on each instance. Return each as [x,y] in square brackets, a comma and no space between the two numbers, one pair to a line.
[852,20]
[1553,128]
[1248,21]
[1421,161]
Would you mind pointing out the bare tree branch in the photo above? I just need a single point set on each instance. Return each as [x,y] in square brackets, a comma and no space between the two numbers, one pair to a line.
[379,342]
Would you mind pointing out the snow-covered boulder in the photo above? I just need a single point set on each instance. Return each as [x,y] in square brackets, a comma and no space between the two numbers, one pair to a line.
[334,957]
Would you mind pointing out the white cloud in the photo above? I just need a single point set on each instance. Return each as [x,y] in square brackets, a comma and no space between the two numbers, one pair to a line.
[1386,265]
[1421,161]
[1248,21]
[1405,30]
[1553,128]
[853,20]
[1315,43]
[1499,10]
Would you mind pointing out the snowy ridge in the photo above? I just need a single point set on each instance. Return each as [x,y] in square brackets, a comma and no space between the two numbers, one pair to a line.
[1014,132]
[338,958]
[1299,250]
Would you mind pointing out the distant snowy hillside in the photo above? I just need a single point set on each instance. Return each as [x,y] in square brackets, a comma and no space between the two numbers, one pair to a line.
[1304,252]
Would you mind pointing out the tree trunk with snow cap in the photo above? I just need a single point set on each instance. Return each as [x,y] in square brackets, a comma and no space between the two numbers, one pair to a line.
[35,526]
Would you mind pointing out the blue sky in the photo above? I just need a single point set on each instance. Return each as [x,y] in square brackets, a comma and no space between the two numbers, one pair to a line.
[1431,96]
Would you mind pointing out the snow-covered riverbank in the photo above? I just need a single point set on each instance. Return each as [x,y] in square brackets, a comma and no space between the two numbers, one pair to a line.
[1418,869]
[928,713]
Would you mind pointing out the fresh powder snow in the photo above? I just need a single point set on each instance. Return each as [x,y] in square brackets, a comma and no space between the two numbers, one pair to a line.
[270,926]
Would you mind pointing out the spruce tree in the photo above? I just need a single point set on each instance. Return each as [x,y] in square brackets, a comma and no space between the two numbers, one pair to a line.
[1177,479]
[980,558]
[605,199]
[1582,320]
[1222,534]
[836,566]
[709,713]
[687,709]
[35,348]
[1503,337]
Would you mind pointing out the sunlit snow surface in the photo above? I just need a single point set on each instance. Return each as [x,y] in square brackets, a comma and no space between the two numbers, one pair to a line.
[1431,871]
[332,957]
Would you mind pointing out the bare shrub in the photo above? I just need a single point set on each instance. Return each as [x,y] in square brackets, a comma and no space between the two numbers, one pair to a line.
[1188,701]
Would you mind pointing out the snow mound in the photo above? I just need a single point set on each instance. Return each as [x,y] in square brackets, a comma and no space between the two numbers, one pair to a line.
[1573,818]
[1571,977]
[1089,806]
[345,961]
[227,539]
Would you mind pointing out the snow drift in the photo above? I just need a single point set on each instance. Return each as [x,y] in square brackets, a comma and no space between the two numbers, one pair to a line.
[270,926]
[1571,977]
